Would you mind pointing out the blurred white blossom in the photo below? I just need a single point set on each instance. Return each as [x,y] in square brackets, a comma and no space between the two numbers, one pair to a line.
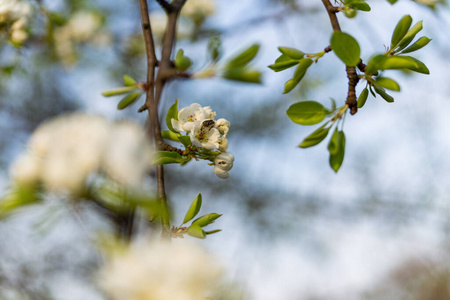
[160,271]
[198,9]
[14,17]
[63,152]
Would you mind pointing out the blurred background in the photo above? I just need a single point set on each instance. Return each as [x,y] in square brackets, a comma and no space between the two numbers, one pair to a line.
[292,227]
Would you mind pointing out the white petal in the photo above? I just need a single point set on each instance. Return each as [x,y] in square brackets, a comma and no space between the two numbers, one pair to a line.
[176,125]
[221,173]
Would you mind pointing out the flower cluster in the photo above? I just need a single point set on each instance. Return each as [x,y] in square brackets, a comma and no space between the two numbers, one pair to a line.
[82,27]
[208,133]
[198,10]
[14,18]
[63,152]
[161,271]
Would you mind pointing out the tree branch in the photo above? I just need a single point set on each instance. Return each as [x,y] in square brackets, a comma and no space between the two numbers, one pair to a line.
[351,71]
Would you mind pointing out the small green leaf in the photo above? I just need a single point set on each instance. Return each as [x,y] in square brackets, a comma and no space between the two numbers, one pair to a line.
[363,6]
[363,97]
[300,71]
[337,151]
[346,48]
[292,53]
[185,140]
[333,105]
[193,209]
[128,100]
[166,157]
[419,44]
[400,30]
[196,231]
[388,83]
[206,219]
[243,58]
[17,197]
[382,92]
[410,35]
[392,1]
[213,231]
[172,113]
[169,135]
[118,91]
[129,81]
[307,112]
[384,62]
[182,62]
[245,74]
[316,137]
[215,48]
[277,67]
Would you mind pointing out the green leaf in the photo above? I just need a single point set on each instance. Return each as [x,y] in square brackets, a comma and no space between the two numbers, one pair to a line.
[346,48]
[300,71]
[215,48]
[118,91]
[400,30]
[182,62]
[193,209]
[243,58]
[384,62]
[206,219]
[382,92]
[333,105]
[363,6]
[388,83]
[166,157]
[410,35]
[213,231]
[172,113]
[129,81]
[17,197]
[316,137]
[307,112]
[337,151]
[419,44]
[128,100]
[392,1]
[196,231]
[363,97]
[185,140]
[277,67]
[169,135]
[292,53]
[242,74]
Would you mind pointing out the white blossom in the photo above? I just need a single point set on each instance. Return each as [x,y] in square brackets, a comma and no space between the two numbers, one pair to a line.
[160,271]
[204,136]
[223,126]
[63,152]
[189,116]
[15,13]
[198,9]
[222,164]
[223,144]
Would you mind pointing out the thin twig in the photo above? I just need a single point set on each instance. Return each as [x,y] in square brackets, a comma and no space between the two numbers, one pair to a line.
[351,71]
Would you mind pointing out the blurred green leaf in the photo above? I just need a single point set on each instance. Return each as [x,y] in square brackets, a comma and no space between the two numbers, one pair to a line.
[307,112]
[215,48]
[166,157]
[169,135]
[213,231]
[388,83]
[182,62]
[17,197]
[128,100]
[118,91]
[245,74]
[206,219]
[363,97]
[129,81]
[172,113]
[419,44]
[337,149]
[400,30]
[280,66]
[196,231]
[316,137]
[410,35]
[185,140]
[292,52]
[243,58]
[300,71]
[360,5]
[346,48]
[193,209]
[382,92]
